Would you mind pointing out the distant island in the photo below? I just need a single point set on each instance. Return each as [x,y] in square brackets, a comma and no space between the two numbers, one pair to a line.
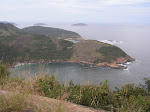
[6,22]
[40,24]
[79,24]
[39,44]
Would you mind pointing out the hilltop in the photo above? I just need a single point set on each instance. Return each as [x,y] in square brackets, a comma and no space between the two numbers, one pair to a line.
[16,45]
[7,29]
[19,46]
[6,22]
[52,32]
[100,54]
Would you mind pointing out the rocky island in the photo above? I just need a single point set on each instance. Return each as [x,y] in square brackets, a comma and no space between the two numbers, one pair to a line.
[40,24]
[38,45]
[80,24]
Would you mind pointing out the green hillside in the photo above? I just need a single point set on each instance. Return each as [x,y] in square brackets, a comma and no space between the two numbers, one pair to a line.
[51,32]
[17,46]
[34,47]
[96,52]
[7,29]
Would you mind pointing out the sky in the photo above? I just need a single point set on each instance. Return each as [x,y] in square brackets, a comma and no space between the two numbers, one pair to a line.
[95,11]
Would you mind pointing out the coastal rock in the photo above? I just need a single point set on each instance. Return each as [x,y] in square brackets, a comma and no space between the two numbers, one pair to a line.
[122,60]
[112,65]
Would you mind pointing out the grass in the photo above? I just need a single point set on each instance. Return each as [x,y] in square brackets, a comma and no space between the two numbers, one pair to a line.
[27,94]
[18,102]
[129,98]
[14,102]
[23,95]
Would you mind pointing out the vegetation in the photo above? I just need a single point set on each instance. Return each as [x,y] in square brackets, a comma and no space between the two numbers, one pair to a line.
[34,48]
[8,54]
[97,52]
[16,102]
[38,44]
[3,71]
[7,29]
[147,84]
[17,46]
[110,53]
[51,32]
[22,102]
[129,98]
[21,47]
[19,98]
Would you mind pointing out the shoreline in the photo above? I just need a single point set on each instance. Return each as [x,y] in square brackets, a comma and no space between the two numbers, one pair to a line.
[118,64]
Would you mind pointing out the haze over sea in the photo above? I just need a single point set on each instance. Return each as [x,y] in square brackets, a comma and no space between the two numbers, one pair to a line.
[132,38]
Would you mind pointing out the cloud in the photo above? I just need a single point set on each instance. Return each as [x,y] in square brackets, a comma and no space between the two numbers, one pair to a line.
[75,10]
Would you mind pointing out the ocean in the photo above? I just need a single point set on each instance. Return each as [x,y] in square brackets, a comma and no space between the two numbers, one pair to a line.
[132,38]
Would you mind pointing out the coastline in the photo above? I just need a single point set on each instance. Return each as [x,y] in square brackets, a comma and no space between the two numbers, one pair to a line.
[118,64]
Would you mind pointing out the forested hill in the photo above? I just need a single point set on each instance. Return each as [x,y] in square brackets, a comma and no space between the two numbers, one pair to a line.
[7,29]
[18,46]
[52,32]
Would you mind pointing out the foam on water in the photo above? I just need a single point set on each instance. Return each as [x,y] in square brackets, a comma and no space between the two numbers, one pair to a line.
[112,42]
[20,64]
[124,65]
[126,69]
[128,63]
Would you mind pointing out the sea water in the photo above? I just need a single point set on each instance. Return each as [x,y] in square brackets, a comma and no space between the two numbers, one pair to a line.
[133,39]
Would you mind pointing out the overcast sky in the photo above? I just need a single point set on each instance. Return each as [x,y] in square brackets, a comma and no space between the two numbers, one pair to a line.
[98,11]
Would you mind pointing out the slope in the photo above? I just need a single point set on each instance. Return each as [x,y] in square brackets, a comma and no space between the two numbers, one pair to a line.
[51,32]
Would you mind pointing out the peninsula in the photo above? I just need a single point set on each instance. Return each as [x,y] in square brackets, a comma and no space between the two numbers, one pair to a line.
[37,44]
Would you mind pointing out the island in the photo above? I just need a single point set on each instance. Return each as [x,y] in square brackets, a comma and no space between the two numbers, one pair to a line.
[79,24]
[29,46]
[40,24]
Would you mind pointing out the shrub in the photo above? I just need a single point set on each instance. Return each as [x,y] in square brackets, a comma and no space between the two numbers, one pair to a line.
[49,86]
[147,84]
[97,96]
[129,98]
[3,71]
[16,102]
